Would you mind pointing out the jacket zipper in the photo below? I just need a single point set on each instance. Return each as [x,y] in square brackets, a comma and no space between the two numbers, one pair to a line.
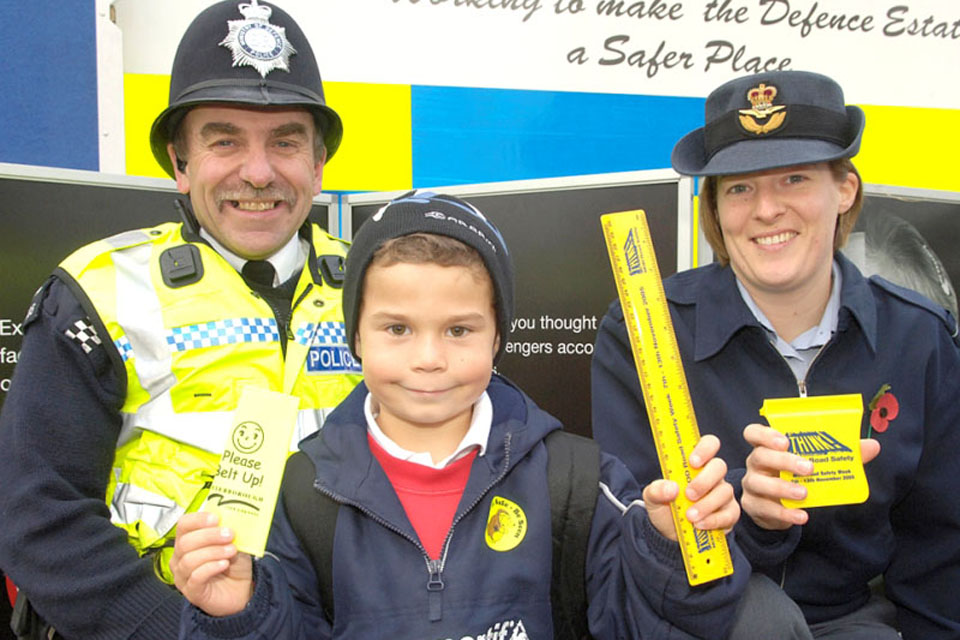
[802,384]
[436,597]
[435,583]
[293,308]
[284,318]
[802,388]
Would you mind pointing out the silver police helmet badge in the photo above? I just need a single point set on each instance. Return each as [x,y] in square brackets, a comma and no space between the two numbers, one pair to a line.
[256,43]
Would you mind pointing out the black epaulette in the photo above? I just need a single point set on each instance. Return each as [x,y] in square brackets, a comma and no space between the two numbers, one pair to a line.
[33,311]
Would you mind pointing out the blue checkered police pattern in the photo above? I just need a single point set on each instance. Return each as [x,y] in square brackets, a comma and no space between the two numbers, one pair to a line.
[123,346]
[230,331]
[326,333]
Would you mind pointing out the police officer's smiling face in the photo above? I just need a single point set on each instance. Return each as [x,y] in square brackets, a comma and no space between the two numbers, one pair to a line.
[251,174]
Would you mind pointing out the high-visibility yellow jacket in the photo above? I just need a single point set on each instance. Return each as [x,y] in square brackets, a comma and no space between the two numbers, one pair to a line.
[191,334]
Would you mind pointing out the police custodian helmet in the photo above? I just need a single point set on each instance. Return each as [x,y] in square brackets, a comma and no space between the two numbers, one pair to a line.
[246,53]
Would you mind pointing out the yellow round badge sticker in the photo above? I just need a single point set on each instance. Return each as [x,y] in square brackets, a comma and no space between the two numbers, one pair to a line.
[506,525]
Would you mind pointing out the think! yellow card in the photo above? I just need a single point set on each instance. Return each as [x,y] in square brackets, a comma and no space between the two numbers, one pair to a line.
[244,493]
[826,431]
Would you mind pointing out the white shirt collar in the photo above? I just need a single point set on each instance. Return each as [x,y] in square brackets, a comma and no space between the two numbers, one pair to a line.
[287,261]
[477,435]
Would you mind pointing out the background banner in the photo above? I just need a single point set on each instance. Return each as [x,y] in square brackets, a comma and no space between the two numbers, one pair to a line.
[468,91]
[652,47]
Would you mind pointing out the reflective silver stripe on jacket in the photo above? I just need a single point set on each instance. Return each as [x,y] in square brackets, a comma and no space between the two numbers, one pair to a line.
[207,430]
[131,503]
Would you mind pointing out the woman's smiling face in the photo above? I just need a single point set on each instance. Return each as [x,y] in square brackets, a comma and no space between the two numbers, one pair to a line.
[778,225]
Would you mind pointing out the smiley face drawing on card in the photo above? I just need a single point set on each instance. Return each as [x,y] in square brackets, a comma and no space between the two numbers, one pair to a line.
[248,437]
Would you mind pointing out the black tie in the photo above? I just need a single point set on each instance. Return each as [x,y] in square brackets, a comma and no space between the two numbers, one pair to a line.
[260,272]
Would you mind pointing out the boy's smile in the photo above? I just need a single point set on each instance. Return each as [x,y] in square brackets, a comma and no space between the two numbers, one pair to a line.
[427,336]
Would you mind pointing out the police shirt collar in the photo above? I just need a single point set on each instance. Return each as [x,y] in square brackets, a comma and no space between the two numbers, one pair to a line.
[287,261]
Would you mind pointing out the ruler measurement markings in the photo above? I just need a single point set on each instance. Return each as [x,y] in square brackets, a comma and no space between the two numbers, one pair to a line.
[669,406]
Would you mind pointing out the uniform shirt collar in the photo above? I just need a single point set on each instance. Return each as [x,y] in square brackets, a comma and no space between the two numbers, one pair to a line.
[800,353]
[287,261]
[816,336]
[720,315]
[476,437]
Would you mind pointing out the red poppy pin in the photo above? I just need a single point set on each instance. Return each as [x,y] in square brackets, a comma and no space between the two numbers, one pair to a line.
[883,409]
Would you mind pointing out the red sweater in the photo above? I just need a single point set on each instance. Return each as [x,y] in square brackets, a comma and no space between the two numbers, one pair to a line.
[429,496]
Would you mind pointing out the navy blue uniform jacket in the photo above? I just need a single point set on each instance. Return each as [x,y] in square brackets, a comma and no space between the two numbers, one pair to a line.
[909,528]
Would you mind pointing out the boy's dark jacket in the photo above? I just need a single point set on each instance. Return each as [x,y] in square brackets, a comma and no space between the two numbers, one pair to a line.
[635,577]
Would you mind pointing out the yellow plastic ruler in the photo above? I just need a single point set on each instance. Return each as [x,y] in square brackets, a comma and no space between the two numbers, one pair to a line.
[654,344]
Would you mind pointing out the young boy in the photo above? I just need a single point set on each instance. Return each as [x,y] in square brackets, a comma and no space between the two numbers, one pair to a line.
[439,467]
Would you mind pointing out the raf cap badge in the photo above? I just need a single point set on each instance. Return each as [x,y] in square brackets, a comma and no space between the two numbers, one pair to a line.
[761,97]
[257,43]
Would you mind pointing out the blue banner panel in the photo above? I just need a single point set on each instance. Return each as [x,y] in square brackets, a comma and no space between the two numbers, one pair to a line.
[463,135]
[49,84]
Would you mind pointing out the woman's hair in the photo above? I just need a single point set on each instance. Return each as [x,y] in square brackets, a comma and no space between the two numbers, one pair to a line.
[710,220]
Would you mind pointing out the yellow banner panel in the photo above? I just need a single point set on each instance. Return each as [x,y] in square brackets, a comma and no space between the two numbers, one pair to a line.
[144,97]
[376,154]
[910,147]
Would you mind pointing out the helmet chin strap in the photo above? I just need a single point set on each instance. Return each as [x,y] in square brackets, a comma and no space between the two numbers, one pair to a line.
[187,216]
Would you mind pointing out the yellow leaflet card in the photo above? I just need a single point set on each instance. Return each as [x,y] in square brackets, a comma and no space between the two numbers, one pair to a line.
[244,492]
[826,431]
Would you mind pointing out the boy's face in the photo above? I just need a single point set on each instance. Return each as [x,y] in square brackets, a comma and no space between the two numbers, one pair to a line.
[427,336]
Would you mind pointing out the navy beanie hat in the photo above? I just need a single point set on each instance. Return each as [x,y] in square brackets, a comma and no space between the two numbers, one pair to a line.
[444,215]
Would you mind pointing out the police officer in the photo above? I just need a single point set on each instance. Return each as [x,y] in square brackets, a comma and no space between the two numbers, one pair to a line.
[138,347]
